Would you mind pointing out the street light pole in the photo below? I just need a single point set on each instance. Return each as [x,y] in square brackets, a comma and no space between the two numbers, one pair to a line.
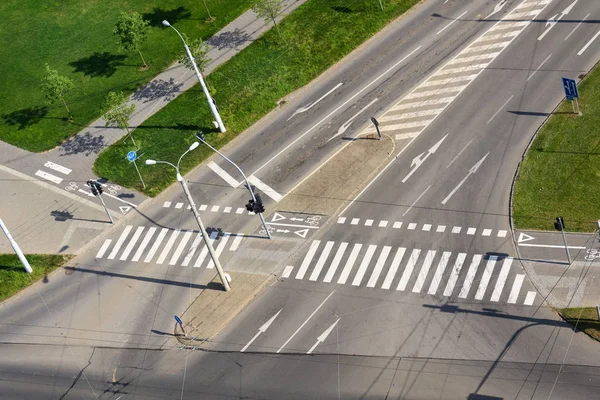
[186,190]
[200,136]
[211,102]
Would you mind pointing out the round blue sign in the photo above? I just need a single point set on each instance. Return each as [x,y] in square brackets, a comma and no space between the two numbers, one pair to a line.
[179,321]
[131,155]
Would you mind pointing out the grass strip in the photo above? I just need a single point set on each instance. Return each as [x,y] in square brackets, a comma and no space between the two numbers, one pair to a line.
[584,319]
[13,277]
[318,34]
[559,175]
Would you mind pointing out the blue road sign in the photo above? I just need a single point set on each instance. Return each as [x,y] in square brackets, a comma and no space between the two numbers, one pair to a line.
[179,321]
[570,86]
[131,155]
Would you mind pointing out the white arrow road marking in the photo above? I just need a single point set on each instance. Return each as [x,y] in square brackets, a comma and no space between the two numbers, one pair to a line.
[297,219]
[282,230]
[262,329]
[420,159]
[323,336]
[552,21]
[311,105]
[473,169]
[523,237]
[498,8]
[277,217]
[347,124]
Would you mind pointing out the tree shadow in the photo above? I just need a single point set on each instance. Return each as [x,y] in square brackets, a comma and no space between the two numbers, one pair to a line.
[25,117]
[83,143]
[156,89]
[342,9]
[99,64]
[158,15]
[229,40]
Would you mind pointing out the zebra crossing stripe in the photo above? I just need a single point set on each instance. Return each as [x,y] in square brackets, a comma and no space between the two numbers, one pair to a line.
[516,288]
[336,262]
[460,259]
[192,250]
[472,271]
[168,246]
[321,262]
[439,272]
[529,298]
[179,250]
[287,271]
[131,243]
[236,242]
[143,245]
[213,235]
[501,279]
[424,271]
[485,278]
[156,244]
[307,259]
[364,264]
[387,283]
[103,249]
[379,266]
[219,249]
[412,261]
[349,264]
[119,243]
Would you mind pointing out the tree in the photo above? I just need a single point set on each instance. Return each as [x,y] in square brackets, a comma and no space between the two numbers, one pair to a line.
[55,86]
[268,10]
[132,31]
[210,17]
[117,112]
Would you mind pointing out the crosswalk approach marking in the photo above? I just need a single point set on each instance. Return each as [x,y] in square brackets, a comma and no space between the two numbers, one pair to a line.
[236,242]
[103,249]
[387,283]
[485,278]
[412,261]
[501,279]
[439,272]
[529,298]
[192,250]
[460,259]
[287,271]
[349,264]
[156,244]
[379,266]
[336,262]
[119,243]
[167,249]
[364,264]
[516,289]
[321,262]
[144,243]
[471,272]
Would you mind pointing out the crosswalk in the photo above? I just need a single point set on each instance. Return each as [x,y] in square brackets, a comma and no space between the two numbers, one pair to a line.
[171,246]
[491,277]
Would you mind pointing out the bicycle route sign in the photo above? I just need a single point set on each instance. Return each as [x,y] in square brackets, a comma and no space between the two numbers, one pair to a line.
[293,224]
[132,155]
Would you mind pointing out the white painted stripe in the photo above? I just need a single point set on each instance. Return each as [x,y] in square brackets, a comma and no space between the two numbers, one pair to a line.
[222,243]
[426,227]
[203,207]
[178,205]
[236,241]
[516,288]
[477,58]
[502,233]
[227,210]
[464,291]
[322,258]
[441,229]
[167,204]
[102,250]
[454,79]
[471,231]
[424,271]
[156,244]
[214,208]
[416,114]
[511,25]
[501,279]
[179,249]
[354,221]
[451,22]
[168,246]
[203,253]
[417,124]
[58,168]
[119,242]
[89,193]
[456,229]
[341,220]
[578,25]
[349,264]
[223,174]
[369,222]
[131,243]
[500,109]
[552,246]
[471,67]
[379,266]
[265,188]
[460,259]
[412,226]
[485,278]
[486,232]
[307,259]
[538,68]
[529,298]
[382,224]
[336,262]
[412,261]
[439,272]
[584,48]
[404,106]
[428,93]
[48,177]
[287,271]
[192,250]
[364,264]
[492,36]
[397,225]
[144,243]
[240,210]
[387,282]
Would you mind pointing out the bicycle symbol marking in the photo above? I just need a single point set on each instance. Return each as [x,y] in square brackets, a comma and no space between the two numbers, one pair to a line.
[313,220]
[113,189]
[263,232]
[72,187]
[592,254]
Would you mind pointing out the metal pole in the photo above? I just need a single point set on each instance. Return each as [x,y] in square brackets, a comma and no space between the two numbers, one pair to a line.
[211,250]
[140,175]
[381,4]
[562,229]
[16,248]
[262,219]
[107,213]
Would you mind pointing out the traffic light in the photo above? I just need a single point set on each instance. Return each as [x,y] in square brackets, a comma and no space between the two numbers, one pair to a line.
[258,206]
[250,205]
[559,224]
[92,186]
[98,187]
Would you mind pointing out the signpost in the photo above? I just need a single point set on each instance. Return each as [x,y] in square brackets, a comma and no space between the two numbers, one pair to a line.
[376,123]
[571,93]
[180,322]
[131,156]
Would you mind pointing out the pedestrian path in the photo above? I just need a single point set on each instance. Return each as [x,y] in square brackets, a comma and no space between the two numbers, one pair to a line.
[487,278]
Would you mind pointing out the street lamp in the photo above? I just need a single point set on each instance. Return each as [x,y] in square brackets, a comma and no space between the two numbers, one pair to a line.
[186,190]
[200,136]
[211,101]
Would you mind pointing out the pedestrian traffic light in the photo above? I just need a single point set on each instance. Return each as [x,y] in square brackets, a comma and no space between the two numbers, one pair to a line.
[250,205]
[91,185]
[258,206]
[559,224]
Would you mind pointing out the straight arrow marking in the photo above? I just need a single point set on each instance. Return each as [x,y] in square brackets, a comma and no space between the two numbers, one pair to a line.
[473,169]
[552,21]
[262,329]
[417,161]
[323,336]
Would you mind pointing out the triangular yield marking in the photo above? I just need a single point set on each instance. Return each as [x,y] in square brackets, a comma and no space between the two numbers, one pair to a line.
[277,217]
[524,237]
[124,209]
[302,233]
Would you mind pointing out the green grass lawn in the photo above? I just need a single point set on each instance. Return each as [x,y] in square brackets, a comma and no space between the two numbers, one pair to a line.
[13,277]
[247,87]
[560,175]
[585,319]
[75,37]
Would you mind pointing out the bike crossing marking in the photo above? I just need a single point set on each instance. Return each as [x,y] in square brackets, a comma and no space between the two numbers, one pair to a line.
[454,275]
[48,177]
[58,168]
[471,272]
[132,242]
[321,262]
[168,246]
[439,272]
[119,243]
[387,283]
[364,264]
[379,266]
[336,262]
[179,249]
[144,243]
[485,279]
[412,261]
[516,288]
[424,271]
[349,264]
[103,249]
[157,242]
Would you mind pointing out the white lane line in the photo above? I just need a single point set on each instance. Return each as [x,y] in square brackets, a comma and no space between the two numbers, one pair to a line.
[486,232]
[304,323]
[222,243]
[311,105]
[287,271]
[382,224]
[379,266]
[178,205]
[451,22]
[214,208]
[192,250]
[131,243]
[102,250]
[167,204]
[501,279]
[48,177]
[236,241]
[179,249]
[529,298]
[266,189]
[472,171]
[424,271]
[308,258]
[441,229]
[321,261]
[460,259]
[349,264]
[552,246]
[119,242]
[578,25]
[439,272]
[459,153]
[516,288]
[341,220]
[500,109]
[203,253]
[471,272]
[412,261]
[387,283]
[58,168]
[156,244]
[502,233]
[586,46]
[415,202]
[223,174]
[364,264]
[538,68]
[168,246]
[485,278]
[336,262]
[143,245]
